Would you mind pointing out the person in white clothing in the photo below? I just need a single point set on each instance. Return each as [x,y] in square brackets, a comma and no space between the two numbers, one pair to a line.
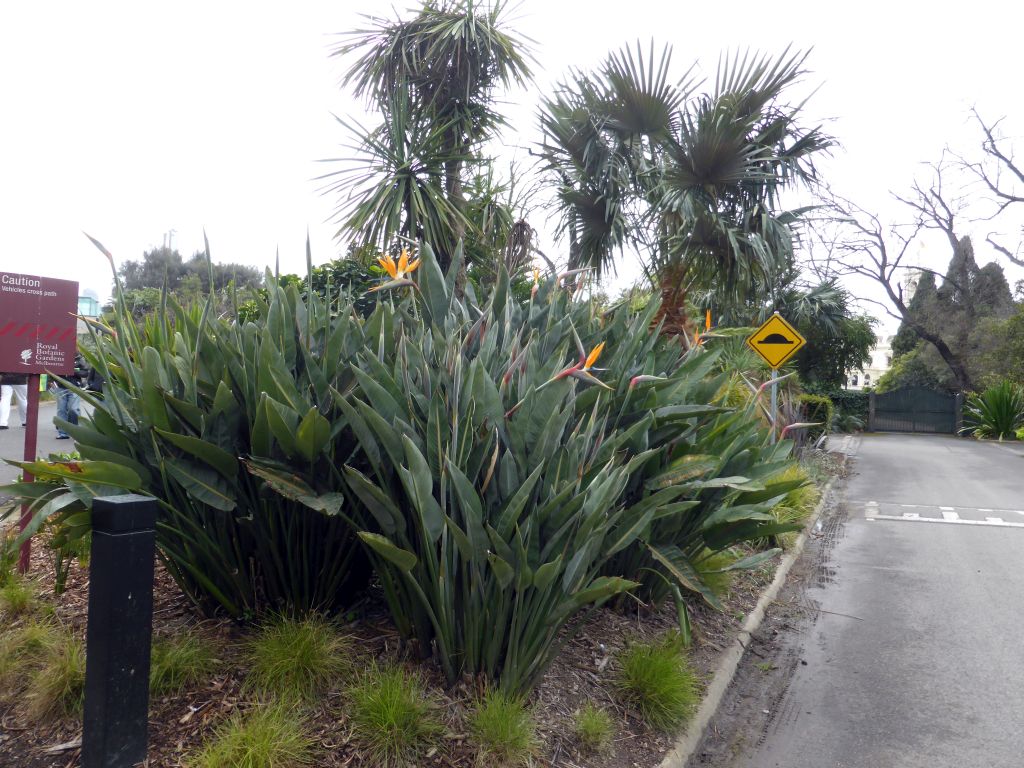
[13,385]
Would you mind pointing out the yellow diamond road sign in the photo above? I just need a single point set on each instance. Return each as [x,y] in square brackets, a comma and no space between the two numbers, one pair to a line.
[776,341]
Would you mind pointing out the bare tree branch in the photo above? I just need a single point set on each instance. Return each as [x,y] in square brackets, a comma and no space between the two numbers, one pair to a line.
[863,246]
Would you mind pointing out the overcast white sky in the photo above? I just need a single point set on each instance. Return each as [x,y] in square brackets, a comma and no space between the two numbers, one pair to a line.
[128,119]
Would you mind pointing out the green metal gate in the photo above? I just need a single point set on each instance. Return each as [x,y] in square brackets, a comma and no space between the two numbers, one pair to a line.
[914,409]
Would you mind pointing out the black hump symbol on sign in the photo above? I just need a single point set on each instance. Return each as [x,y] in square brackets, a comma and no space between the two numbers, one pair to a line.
[775,338]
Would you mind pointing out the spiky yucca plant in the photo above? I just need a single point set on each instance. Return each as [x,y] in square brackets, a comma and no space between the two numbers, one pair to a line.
[997,412]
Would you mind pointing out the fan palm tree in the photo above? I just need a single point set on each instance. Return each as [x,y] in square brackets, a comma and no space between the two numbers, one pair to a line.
[693,181]
[433,78]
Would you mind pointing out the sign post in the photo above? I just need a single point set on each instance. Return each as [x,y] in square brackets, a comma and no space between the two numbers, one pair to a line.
[776,341]
[38,333]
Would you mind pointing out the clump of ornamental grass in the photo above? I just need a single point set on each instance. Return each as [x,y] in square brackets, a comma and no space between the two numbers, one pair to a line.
[503,729]
[296,659]
[656,680]
[17,597]
[22,649]
[56,687]
[178,662]
[594,728]
[392,718]
[267,736]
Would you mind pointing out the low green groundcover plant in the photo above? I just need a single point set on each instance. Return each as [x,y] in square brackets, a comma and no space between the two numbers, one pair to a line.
[266,736]
[296,659]
[180,661]
[392,718]
[594,728]
[17,597]
[656,680]
[56,686]
[503,730]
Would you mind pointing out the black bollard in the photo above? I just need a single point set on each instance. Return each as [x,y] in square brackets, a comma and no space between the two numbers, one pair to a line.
[120,629]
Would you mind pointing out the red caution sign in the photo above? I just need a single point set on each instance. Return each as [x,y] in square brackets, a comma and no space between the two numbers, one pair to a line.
[38,324]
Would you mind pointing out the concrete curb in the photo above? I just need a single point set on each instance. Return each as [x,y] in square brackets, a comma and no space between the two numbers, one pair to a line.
[686,745]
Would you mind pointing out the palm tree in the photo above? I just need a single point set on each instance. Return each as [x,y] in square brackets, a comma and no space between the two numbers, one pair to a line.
[693,181]
[433,79]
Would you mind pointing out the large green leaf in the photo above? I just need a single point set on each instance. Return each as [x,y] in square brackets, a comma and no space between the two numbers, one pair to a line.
[313,434]
[681,569]
[419,483]
[208,453]
[402,558]
[202,483]
[102,472]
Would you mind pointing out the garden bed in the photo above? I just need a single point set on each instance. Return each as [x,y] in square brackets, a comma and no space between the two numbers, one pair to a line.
[584,672]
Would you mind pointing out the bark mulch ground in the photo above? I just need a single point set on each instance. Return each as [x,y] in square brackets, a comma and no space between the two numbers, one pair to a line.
[584,671]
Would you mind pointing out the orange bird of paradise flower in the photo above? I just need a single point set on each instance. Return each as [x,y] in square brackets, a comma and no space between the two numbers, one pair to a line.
[399,271]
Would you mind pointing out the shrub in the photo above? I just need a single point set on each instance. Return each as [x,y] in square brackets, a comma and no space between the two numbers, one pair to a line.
[656,680]
[56,687]
[795,507]
[506,463]
[997,412]
[851,408]
[816,409]
[268,736]
[296,659]
[179,662]
[185,396]
[532,483]
[503,730]
[594,728]
[392,718]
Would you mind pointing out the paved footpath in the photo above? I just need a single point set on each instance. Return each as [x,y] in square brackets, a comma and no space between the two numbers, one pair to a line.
[914,656]
[12,441]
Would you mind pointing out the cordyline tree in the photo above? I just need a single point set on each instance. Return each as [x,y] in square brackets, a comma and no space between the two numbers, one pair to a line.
[692,180]
[433,79]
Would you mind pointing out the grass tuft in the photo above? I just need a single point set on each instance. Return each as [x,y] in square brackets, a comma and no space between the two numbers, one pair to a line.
[17,597]
[22,649]
[269,736]
[56,687]
[656,679]
[392,718]
[179,662]
[296,659]
[594,728]
[504,730]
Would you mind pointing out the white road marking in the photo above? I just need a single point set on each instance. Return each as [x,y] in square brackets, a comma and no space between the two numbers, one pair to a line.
[947,509]
[917,519]
[994,520]
[985,509]
[907,516]
[949,516]
[909,506]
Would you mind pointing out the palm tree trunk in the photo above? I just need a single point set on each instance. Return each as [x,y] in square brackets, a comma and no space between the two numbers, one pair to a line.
[673,301]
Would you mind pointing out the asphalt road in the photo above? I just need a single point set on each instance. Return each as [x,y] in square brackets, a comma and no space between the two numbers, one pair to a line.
[914,659]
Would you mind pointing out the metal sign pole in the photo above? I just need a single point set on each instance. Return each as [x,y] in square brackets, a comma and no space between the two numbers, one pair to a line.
[31,435]
[775,400]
